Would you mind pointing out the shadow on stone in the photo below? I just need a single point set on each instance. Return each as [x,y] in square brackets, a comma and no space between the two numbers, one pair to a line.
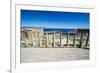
[86,48]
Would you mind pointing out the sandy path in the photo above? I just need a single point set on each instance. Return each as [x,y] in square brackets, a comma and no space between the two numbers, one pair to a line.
[53,54]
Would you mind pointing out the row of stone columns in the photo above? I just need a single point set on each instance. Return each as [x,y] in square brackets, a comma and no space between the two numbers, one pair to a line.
[60,34]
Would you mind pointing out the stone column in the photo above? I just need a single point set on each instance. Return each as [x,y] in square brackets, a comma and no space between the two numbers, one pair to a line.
[87,40]
[73,39]
[81,40]
[67,40]
[60,39]
[46,39]
[53,40]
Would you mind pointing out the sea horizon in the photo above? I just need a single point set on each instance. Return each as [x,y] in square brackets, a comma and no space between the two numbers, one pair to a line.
[57,29]
[50,28]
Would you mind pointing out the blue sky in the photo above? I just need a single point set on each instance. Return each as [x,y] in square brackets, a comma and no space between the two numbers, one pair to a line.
[53,19]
